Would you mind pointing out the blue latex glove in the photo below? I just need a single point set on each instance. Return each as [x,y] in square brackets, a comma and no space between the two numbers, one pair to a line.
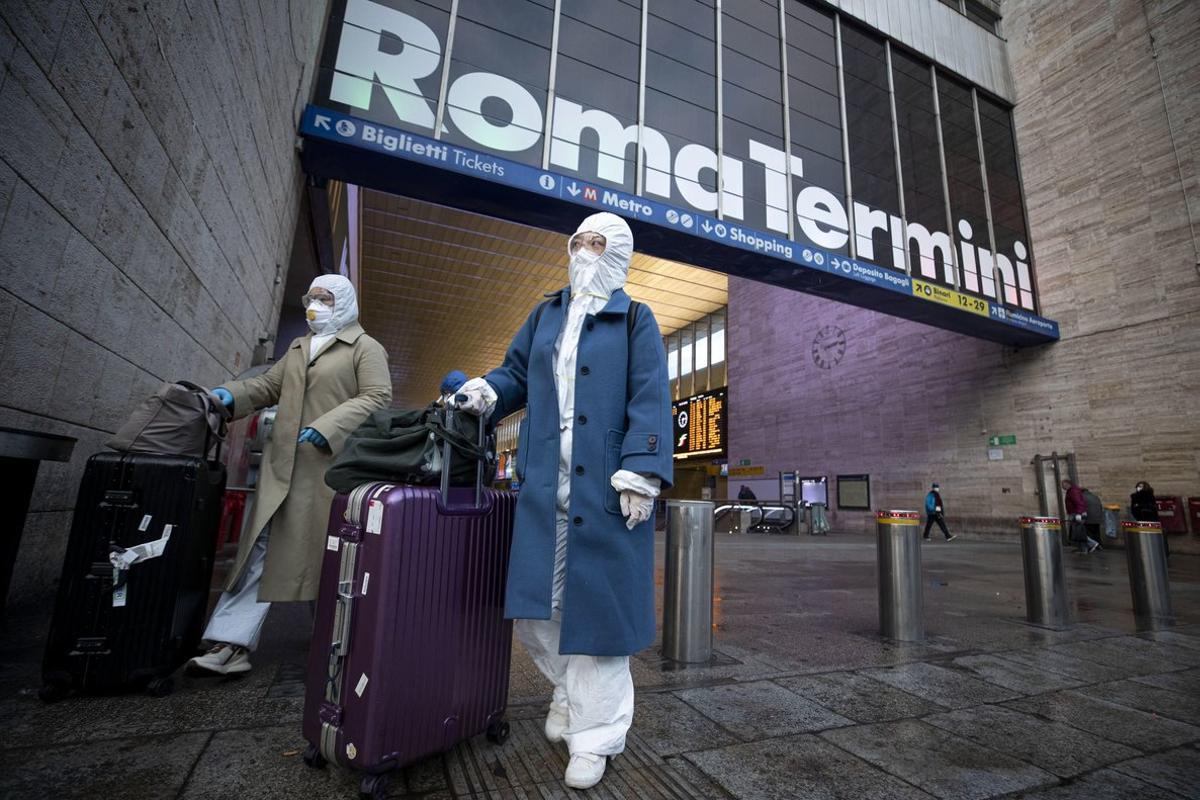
[224,395]
[314,436]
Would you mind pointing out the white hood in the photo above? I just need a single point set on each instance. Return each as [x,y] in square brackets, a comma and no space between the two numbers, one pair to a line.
[605,275]
[345,303]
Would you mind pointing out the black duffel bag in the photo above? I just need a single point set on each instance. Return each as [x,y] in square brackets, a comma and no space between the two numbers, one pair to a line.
[406,446]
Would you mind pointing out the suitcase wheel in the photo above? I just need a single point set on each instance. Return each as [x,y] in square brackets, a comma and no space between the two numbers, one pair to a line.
[53,692]
[374,787]
[313,757]
[160,687]
[497,732]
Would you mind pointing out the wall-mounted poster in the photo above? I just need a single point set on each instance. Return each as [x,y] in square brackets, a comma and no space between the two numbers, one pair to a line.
[854,492]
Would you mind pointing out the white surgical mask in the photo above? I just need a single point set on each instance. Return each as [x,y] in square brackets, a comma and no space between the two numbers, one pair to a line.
[582,269]
[318,315]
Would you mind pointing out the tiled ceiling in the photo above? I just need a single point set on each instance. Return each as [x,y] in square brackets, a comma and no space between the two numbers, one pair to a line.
[446,289]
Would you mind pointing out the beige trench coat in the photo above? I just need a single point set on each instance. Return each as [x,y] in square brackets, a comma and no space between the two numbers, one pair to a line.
[334,394]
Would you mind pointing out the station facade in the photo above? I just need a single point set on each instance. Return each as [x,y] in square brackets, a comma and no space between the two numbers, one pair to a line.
[958,234]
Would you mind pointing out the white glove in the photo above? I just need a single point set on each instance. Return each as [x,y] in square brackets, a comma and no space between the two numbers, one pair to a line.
[637,495]
[636,507]
[480,397]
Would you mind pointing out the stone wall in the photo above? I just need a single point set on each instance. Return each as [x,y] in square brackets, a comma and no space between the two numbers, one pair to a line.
[1116,258]
[149,190]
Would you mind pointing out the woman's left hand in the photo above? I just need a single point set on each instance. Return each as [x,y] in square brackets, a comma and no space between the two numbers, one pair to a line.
[637,508]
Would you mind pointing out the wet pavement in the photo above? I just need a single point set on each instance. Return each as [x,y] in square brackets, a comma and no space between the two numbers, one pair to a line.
[803,700]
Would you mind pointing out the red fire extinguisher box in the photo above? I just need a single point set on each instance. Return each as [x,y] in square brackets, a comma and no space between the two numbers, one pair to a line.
[1194,513]
[1170,514]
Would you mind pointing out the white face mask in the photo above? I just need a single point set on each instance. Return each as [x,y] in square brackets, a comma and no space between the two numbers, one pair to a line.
[583,268]
[318,315]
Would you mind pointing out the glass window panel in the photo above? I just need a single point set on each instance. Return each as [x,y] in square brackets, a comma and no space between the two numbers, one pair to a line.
[1008,214]
[697,16]
[612,54]
[672,364]
[521,19]
[718,345]
[920,165]
[701,345]
[815,113]
[981,15]
[352,80]
[622,19]
[873,179]
[964,177]
[748,40]
[487,38]
[685,356]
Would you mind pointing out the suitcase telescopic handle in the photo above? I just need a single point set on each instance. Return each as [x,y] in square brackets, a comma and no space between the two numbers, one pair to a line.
[448,452]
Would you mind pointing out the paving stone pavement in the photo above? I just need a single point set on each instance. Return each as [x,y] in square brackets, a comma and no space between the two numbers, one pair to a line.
[803,701]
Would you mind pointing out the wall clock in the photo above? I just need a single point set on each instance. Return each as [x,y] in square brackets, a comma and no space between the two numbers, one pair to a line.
[828,346]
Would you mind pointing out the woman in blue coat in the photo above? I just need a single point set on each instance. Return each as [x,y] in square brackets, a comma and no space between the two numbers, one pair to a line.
[593,452]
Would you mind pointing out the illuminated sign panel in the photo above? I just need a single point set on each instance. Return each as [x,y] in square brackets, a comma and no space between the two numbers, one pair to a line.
[393,81]
[700,425]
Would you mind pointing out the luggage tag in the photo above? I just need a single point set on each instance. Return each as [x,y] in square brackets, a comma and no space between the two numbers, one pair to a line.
[120,593]
[375,517]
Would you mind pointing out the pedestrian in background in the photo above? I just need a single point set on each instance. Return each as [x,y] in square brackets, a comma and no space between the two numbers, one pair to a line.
[935,512]
[1144,508]
[1076,514]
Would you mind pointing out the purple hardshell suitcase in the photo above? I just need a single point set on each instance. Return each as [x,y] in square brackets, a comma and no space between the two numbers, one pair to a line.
[410,649]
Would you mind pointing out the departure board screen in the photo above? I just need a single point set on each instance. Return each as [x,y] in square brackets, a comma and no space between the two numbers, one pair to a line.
[700,425]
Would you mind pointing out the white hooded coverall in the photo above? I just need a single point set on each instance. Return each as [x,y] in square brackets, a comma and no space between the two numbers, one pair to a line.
[239,616]
[595,691]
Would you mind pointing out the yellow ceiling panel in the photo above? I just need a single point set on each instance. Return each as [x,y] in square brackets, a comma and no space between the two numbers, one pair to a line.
[446,289]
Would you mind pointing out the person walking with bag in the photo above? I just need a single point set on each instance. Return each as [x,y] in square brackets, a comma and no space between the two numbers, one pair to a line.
[934,512]
[593,453]
[326,385]
[1076,514]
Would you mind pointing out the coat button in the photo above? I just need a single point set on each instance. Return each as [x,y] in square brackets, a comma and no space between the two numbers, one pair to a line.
[652,447]
[652,439]
[584,371]
[579,470]
[579,520]
[582,419]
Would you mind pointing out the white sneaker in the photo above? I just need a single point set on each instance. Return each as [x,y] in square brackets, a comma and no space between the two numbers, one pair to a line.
[556,723]
[222,659]
[585,770]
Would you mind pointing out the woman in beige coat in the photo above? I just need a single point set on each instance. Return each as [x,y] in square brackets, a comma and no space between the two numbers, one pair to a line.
[326,386]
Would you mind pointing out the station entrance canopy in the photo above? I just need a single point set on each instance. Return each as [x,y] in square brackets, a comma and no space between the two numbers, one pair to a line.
[454,111]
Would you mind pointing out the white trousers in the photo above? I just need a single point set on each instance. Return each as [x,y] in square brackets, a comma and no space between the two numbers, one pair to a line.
[239,616]
[595,691]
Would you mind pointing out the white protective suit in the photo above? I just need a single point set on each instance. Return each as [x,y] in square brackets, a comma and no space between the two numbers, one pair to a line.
[239,616]
[596,692]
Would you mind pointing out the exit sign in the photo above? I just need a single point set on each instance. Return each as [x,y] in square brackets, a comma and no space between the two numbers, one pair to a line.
[745,462]
[1000,441]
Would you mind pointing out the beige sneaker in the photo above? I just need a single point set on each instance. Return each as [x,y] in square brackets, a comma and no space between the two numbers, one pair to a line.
[585,770]
[222,659]
[556,723]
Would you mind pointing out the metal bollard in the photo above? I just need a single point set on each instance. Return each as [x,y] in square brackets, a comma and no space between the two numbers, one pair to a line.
[1146,555]
[1045,587]
[688,582]
[898,553]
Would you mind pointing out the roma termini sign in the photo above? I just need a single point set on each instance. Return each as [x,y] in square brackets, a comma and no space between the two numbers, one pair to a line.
[384,85]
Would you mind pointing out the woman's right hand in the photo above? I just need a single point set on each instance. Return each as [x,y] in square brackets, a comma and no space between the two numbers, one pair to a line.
[476,396]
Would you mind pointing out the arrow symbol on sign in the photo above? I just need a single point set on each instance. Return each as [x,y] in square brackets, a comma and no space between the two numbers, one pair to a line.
[573,189]
[707,227]
[322,122]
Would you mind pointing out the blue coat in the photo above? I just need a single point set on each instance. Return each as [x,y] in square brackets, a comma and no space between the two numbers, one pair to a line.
[622,421]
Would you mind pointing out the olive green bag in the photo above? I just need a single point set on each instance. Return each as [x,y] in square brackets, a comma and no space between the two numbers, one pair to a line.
[405,446]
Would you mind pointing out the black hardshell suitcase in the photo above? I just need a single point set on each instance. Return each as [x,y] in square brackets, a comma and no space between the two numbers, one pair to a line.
[120,629]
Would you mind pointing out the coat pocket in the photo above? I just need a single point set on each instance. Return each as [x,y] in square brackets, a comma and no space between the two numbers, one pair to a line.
[522,448]
[613,442]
